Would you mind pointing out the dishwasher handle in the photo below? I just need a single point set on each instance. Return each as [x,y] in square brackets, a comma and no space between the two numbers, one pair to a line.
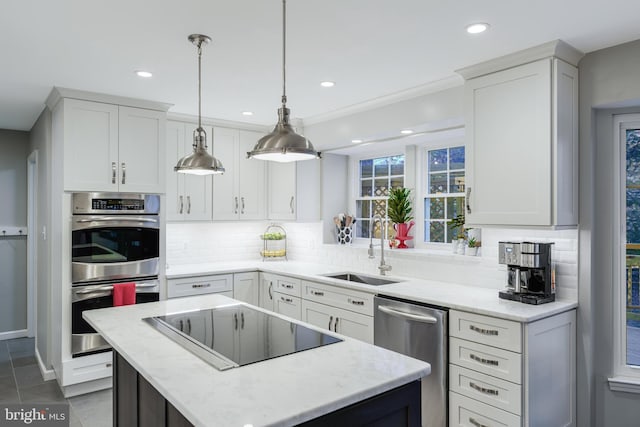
[416,317]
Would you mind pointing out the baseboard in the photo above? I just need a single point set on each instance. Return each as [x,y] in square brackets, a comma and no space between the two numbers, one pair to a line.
[47,374]
[13,334]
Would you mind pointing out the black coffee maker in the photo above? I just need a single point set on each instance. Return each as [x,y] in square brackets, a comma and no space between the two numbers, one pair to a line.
[530,273]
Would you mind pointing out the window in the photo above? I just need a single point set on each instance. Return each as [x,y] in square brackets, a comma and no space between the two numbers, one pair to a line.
[627,273]
[376,177]
[444,194]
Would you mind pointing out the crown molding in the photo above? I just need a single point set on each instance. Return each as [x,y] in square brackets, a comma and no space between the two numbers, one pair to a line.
[58,93]
[383,101]
[555,48]
[190,118]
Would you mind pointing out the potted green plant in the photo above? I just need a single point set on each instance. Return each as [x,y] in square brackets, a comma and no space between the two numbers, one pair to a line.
[399,208]
[456,225]
[473,246]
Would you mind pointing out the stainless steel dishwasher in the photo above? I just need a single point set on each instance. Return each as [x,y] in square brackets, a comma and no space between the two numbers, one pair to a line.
[418,331]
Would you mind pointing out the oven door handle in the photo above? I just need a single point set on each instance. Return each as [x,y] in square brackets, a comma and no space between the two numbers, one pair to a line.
[116,218]
[108,288]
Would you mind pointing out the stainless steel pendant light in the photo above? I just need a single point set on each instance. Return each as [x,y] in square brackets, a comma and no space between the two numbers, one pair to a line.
[199,162]
[283,144]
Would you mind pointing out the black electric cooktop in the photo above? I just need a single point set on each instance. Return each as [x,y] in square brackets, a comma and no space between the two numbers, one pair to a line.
[237,335]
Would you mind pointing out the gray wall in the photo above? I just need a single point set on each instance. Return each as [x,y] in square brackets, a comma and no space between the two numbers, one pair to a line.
[609,84]
[40,140]
[14,146]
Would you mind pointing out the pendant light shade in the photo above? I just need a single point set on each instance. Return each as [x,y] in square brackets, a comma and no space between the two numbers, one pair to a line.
[283,144]
[200,162]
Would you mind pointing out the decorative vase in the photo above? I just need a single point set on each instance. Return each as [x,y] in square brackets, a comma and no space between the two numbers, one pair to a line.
[402,233]
[461,245]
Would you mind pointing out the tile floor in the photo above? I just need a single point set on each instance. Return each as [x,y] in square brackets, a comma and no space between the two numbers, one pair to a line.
[21,382]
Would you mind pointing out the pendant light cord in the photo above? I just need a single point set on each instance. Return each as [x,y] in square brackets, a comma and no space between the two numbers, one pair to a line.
[200,84]
[284,53]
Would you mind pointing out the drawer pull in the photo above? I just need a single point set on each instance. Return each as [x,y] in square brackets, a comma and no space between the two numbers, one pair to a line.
[489,391]
[286,299]
[317,293]
[476,423]
[483,360]
[201,285]
[288,286]
[356,302]
[483,331]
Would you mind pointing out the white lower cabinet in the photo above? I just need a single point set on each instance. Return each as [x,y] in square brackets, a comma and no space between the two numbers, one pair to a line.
[267,288]
[199,285]
[505,373]
[246,287]
[334,319]
[287,305]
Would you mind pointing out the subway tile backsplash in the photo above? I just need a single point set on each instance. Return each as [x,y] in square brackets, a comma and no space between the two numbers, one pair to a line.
[194,243]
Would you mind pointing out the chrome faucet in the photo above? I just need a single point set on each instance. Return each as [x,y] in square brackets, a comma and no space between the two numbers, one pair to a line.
[382,267]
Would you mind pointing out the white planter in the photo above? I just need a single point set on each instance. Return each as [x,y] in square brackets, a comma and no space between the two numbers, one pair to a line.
[461,246]
[472,251]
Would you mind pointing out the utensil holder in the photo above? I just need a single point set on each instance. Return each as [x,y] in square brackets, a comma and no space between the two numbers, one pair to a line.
[344,235]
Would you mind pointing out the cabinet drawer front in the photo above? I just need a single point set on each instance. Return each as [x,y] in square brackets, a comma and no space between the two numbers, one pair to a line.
[199,285]
[360,302]
[489,360]
[487,330]
[465,412]
[87,368]
[288,286]
[490,390]
[287,305]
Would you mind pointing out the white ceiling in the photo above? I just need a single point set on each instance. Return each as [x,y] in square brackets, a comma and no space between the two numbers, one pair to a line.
[370,48]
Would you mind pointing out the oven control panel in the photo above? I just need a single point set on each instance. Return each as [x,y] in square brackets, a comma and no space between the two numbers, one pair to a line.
[113,203]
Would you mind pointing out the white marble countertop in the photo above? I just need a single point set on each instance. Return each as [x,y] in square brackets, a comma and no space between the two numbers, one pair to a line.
[282,391]
[480,300]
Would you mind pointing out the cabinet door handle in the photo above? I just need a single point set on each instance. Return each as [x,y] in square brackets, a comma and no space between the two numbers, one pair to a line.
[241,320]
[476,423]
[488,391]
[235,319]
[335,325]
[317,293]
[188,204]
[189,326]
[236,210]
[270,288]
[291,204]
[482,331]
[113,172]
[124,173]
[483,360]
[468,199]
[330,321]
[181,204]
[242,209]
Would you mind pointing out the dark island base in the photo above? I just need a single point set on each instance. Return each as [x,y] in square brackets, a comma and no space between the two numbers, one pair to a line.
[136,403]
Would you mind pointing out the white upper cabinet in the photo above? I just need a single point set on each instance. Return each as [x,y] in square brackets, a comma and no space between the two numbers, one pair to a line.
[282,190]
[521,144]
[189,197]
[239,193]
[111,148]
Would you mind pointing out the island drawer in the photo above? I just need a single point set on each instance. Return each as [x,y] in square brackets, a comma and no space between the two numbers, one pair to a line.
[487,330]
[500,363]
[485,388]
[200,285]
[466,412]
[288,285]
[360,302]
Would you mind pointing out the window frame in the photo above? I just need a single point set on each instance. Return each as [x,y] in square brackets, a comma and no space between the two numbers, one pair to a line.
[621,123]
[422,187]
[354,178]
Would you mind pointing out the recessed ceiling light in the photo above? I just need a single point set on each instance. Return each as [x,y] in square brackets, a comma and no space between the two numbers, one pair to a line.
[327,84]
[356,141]
[145,74]
[477,28]
[406,131]
[247,113]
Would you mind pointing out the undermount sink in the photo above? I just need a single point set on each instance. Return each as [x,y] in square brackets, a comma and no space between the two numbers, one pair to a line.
[361,278]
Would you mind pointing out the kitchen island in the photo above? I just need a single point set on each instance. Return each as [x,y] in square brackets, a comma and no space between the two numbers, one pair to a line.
[309,386]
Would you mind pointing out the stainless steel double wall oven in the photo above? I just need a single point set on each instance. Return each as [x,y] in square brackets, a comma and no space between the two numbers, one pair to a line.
[115,238]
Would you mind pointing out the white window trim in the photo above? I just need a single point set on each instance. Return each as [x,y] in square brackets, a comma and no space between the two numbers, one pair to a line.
[421,188]
[625,377]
